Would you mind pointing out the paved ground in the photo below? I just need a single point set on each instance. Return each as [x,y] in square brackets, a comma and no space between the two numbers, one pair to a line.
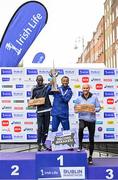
[33,148]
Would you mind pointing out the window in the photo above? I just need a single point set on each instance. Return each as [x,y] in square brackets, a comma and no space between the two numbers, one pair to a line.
[110,38]
[110,3]
[108,41]
[105,25]
[110,18]
[116,58]
[111,62]
[113,35]
[114,64]
[116,11]
[116,32]
[113,17]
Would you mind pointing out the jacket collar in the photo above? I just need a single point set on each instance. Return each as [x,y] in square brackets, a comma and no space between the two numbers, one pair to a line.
[64,87]
[90,95]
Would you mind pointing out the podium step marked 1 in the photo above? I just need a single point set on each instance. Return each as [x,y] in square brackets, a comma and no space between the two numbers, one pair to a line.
[55,165]
[61,165]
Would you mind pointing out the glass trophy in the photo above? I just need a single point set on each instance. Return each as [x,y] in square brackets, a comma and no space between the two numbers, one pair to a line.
[53,74]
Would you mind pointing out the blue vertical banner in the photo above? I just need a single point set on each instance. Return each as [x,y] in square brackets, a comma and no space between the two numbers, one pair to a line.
[23,28]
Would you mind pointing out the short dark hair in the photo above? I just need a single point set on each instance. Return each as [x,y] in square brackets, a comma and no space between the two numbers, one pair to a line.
[39,76]
[65,77]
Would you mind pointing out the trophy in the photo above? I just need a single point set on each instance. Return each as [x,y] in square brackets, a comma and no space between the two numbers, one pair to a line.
[53,74]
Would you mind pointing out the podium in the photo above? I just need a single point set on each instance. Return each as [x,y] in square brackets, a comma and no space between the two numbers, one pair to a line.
[64,165]
[103,168]
[19,166]
[61,165]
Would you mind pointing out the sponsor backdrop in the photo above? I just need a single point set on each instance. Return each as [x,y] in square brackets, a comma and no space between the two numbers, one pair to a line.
[18,122]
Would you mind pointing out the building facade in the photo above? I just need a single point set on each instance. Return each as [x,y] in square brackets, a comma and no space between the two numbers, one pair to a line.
[103,47]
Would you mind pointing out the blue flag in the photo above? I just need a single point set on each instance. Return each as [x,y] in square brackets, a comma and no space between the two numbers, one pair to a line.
[23,28]
[39,58]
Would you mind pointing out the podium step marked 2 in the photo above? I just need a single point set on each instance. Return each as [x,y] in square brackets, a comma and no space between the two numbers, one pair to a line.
[55,165]
[17,166]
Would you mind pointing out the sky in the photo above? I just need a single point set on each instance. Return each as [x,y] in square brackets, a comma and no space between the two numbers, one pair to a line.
[69,23]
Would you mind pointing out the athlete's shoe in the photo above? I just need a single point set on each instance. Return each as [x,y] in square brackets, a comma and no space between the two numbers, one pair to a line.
[90,161]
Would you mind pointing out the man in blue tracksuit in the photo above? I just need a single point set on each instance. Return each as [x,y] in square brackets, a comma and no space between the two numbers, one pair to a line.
[60,108]
[86,118]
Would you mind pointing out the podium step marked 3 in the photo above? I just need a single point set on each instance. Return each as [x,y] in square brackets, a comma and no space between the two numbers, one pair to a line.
[103,168]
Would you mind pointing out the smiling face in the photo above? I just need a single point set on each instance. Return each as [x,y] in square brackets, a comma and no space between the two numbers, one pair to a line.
[39,80]
[86,89]
[65,81]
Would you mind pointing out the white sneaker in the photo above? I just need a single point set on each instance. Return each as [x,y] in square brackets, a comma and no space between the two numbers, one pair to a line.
[79,150]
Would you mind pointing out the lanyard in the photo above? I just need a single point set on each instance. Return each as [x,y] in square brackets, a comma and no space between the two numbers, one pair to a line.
[63,93]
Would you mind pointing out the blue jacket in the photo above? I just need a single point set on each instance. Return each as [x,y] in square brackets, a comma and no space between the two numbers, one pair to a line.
[60,103]
[92,99]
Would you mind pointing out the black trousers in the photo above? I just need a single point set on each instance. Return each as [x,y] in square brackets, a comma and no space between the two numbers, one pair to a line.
[91,129]
[43,121]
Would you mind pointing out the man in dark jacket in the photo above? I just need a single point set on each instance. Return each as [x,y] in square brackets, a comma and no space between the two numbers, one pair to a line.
[60,108]
[43,111]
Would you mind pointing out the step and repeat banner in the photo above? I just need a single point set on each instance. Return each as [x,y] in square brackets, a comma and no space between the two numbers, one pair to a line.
[18,122]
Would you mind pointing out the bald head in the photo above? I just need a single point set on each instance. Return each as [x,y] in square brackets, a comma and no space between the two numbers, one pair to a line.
[86,86]
[86,89]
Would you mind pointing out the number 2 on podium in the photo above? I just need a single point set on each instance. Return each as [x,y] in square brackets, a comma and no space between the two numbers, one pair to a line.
[15,170]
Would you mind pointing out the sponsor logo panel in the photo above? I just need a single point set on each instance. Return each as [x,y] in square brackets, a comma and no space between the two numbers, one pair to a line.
[85,79]
[32,72]
[109,72]
[6,136]
[6,71]
[83,72]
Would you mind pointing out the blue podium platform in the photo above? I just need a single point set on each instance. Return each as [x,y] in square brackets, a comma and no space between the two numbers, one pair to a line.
[55,165]
[17,166]
[103,168]
[61,165]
